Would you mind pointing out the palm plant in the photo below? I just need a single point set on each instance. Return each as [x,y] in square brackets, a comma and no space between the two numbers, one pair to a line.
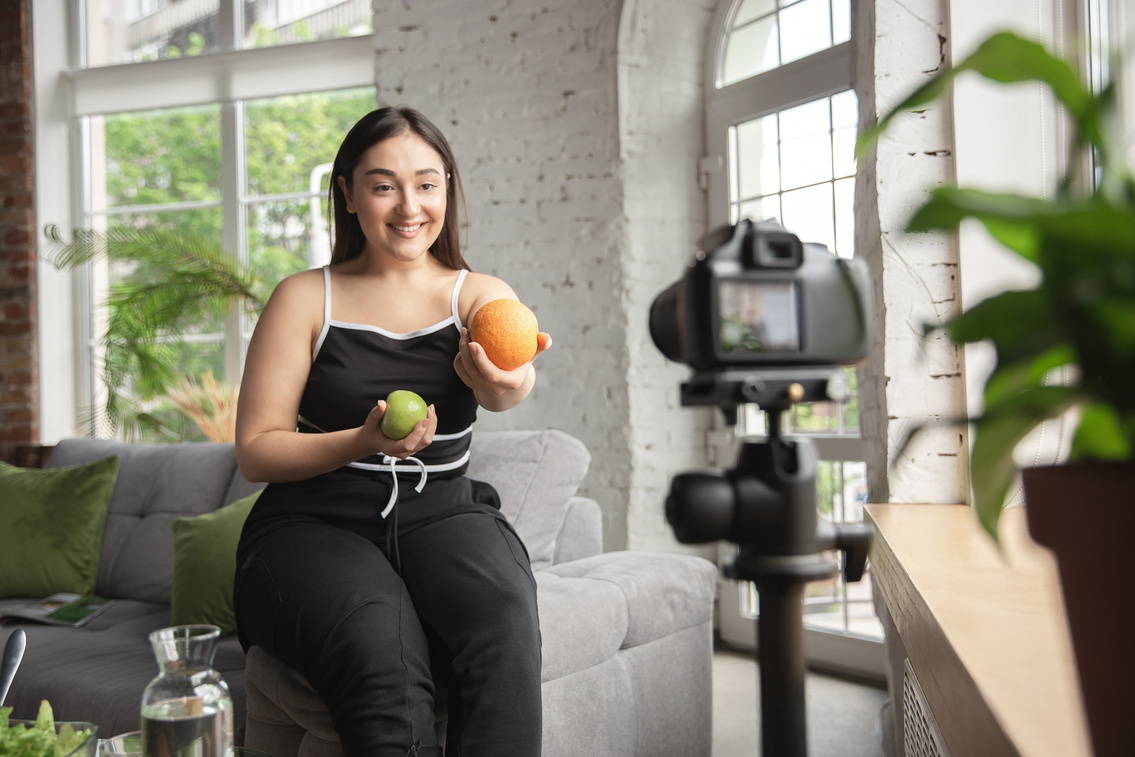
[208,403]
[172,279]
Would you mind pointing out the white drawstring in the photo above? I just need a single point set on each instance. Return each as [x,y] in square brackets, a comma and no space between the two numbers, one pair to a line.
[391,464]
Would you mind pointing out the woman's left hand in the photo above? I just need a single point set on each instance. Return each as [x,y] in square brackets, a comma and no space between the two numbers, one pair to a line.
[486,379]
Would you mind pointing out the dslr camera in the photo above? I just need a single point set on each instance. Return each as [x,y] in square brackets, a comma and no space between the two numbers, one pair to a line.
[763,318]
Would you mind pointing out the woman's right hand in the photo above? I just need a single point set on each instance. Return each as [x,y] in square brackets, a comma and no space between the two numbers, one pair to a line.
[418,439]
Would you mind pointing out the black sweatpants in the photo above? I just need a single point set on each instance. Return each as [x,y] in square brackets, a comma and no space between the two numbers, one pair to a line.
[316,587]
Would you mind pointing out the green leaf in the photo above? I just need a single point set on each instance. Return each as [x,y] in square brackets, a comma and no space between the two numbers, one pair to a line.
[1010,218]
[995,436]
[175,282]
[1096,229]
[1116,317]
[1101,435]
[1010,59]
[1012,378]
[1020,323]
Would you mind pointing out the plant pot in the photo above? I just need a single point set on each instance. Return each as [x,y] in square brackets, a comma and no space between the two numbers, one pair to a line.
[1085,513]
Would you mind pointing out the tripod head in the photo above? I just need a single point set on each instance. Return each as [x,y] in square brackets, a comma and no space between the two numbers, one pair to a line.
[766,503]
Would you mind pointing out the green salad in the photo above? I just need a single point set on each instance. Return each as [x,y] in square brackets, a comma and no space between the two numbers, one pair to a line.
[40,738]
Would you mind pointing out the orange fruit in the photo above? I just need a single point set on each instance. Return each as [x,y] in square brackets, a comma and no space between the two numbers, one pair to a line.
[506,329]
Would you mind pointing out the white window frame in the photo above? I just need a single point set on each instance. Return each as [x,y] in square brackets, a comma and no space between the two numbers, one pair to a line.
[66,94]
[822,74]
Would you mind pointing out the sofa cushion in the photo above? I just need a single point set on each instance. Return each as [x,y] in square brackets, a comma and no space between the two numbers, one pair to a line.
[536,474]
[157,483]
[204,566]
[52,527]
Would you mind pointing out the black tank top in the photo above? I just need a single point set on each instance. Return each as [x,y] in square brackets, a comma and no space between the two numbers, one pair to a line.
[354,365]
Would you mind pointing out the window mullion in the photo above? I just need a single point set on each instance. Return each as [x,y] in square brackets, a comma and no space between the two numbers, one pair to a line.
[235,239]
[230,12]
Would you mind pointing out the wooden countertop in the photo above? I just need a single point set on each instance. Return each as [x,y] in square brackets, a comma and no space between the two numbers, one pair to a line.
[985,631]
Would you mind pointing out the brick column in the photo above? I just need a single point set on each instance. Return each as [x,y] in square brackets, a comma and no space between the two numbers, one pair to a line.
[19,360]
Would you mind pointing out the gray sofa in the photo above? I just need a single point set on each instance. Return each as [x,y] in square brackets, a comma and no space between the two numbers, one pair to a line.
[627,637]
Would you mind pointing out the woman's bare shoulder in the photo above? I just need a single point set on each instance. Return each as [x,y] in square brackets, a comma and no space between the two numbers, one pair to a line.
[296,302]
[483,287]
[300,287]
[478,289]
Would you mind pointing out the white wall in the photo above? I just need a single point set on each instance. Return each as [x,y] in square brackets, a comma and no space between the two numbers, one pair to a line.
[661,51]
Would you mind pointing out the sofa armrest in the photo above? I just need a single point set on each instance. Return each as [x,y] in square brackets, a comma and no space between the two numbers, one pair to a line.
[581,533]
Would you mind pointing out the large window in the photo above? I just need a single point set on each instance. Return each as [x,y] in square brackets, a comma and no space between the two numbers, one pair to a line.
[781,129]
[797,165]
[218,120]
[145,30]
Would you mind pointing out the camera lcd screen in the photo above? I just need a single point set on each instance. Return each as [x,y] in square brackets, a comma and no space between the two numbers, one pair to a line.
[756,317]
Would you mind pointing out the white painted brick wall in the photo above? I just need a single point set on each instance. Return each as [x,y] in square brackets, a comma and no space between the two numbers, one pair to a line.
[914,379]
[661,54]
[525,91]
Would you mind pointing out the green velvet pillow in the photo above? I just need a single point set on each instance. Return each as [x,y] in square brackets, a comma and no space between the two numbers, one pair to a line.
[204,565]
[51,523]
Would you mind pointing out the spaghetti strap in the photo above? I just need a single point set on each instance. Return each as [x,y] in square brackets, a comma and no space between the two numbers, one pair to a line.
[456,292]
[326,312]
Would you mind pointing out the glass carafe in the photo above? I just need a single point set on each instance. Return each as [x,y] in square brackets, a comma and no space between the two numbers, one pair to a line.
[187,710]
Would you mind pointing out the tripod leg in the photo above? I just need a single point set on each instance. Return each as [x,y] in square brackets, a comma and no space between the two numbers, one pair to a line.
[780,651]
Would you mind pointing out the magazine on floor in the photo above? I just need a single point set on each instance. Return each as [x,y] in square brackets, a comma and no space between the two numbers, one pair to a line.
[61,609]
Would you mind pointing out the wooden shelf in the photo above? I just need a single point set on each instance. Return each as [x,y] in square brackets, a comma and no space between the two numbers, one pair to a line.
[984,630]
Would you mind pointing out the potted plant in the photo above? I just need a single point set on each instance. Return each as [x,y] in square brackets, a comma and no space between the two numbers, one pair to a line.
[1080,316]
[170,279]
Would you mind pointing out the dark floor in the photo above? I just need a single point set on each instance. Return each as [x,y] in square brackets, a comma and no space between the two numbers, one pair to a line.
[842,716]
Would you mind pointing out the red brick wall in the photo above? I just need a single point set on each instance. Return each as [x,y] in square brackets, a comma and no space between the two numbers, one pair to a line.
[19,360]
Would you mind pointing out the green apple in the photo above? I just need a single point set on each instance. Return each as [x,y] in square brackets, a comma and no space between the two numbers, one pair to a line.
[403,411]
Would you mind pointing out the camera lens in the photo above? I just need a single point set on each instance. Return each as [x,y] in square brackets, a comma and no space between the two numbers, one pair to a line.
[664,327]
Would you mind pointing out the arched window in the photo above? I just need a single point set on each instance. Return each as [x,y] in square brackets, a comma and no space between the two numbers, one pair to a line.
[781,126]
[782,118]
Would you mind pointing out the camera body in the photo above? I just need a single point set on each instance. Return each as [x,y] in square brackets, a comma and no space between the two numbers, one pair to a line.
[755,296]
[761,318]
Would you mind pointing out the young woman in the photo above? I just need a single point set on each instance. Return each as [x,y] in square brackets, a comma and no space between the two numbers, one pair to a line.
[365,555]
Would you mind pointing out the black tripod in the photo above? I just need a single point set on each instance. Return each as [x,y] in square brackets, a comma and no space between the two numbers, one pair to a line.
[766,504]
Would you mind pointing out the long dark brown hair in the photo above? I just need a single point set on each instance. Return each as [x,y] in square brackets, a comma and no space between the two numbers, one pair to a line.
[348,239]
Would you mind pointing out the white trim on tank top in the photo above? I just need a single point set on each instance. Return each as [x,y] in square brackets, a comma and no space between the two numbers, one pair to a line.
[454,318]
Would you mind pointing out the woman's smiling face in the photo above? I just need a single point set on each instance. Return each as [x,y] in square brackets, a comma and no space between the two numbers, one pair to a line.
[398,191]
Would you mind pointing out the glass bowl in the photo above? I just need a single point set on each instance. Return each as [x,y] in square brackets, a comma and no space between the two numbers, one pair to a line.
[123,743]
[87,748]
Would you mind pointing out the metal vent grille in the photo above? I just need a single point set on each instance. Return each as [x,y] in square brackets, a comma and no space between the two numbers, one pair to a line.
[921,737]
